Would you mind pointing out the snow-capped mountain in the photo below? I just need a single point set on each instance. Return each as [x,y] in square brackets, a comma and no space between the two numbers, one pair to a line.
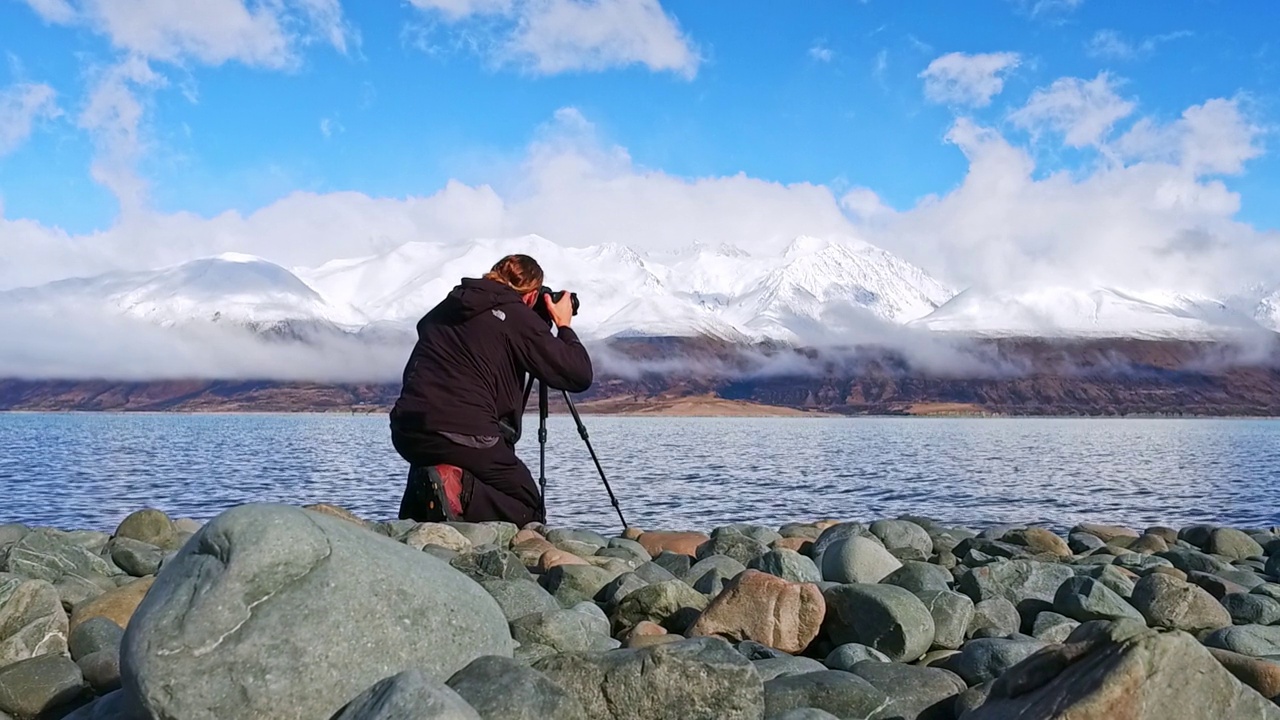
[229,288]
[817,281]
[817,290]
[1056,311]
[723,291]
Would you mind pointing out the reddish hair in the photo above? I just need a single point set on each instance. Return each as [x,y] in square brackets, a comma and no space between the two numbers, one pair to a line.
[521,272]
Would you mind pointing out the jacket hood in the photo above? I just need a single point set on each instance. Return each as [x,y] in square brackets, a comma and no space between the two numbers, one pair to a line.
[476,295]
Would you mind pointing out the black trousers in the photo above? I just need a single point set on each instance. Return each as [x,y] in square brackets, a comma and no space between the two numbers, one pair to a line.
[504,489]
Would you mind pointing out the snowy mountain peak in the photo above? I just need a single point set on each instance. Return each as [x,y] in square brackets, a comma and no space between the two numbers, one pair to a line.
[237,257]
[805,245]
[815,286]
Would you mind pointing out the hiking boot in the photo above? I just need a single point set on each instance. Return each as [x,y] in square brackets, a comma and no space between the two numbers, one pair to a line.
[437,493]
[451,487]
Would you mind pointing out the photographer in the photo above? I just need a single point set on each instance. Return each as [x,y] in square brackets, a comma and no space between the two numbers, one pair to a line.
[460,403]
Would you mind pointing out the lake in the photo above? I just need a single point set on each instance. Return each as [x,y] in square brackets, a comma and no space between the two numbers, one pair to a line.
[90,470]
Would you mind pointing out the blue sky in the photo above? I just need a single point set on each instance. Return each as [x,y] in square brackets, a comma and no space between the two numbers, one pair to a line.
[395,99]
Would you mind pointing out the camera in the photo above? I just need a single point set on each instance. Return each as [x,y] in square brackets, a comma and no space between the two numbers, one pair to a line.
[540,306]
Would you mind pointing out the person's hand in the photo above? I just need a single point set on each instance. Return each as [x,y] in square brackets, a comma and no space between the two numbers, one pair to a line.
[561,312]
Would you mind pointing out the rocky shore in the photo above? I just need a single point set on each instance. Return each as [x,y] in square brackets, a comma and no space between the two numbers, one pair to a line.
[274,611]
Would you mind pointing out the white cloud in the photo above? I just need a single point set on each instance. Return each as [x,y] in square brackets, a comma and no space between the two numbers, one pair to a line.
[1124,225]
[1047,6]
[1083,111]
[1212,138]
[1036,8]
[114,115]
[1112,45]
[881,65]
[329,126]
[555,36]
[21,106]
[458,9]
[1109,44]
[864,203]
[962,79]
[821,52]
[211,32]
[56,11]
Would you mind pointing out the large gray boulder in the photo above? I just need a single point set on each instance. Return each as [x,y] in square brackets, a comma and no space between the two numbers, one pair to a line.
[41,686]
[275,611]
[51,554]
[501,688]
[700,678]
[857,559]
[884,617]
[915,693]
[1168,602]
[1028,584]
[1122,670]
[408,695]
[840,693]
[564,631]
[952,613]
[32,621]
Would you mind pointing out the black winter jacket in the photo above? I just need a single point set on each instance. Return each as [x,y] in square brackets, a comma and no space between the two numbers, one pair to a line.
[468,369]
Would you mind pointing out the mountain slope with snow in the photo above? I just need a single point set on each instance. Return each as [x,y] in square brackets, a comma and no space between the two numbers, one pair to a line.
[1099,312]
[232,288]
[819,281]
[722,291]
[817,291]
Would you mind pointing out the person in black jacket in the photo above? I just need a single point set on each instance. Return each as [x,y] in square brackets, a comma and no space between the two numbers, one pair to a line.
[462,392]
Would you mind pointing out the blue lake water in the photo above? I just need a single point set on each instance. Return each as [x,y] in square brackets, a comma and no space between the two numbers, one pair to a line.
[90,470]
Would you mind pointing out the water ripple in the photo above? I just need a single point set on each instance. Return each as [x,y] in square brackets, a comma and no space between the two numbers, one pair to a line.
[89,471]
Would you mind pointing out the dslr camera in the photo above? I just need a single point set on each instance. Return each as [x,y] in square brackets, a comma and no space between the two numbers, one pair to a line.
[540,306]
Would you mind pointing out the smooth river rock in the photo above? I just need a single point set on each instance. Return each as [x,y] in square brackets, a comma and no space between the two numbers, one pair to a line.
[274,611]
[409,694]
[840,693]
[501,688]
[884,617]
[858,559]
[696,679]
[1168,602]
[762,607]
[31,620]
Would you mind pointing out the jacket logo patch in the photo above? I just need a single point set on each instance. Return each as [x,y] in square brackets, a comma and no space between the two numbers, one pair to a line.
[498,314]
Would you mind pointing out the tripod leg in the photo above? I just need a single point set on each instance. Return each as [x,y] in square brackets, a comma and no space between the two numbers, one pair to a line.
[582,431]
[542,452]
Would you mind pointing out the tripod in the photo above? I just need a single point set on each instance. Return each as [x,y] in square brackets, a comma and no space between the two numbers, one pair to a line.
[542,446]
